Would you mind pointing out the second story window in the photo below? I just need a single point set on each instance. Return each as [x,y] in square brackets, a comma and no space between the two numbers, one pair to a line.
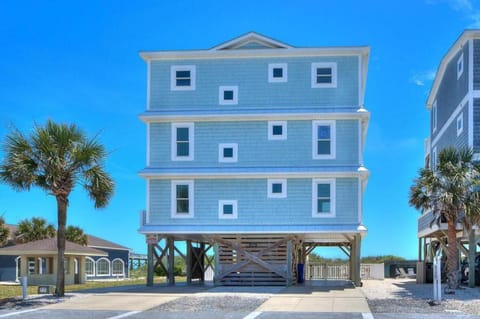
[460,124]
[182,141]
[277,130]
[228,153]
[277,188]
[228,95]
[323,198]
[277,72]
[227,209]
[324,75]
[182,199]
[324,139]
[182,78]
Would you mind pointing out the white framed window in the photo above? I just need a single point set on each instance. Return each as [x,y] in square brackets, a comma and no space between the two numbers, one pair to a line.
[324,75]
[434,116]
[227,209]
[182,77]
[228,95]
[89,266]
[103,267]
[460,66]
[277,72]
[324,139]
[434,159]
[182,141]
[277,130]
[277,188]
[460,124]
[228,152]
[323,198]
[118,267]
[182,200]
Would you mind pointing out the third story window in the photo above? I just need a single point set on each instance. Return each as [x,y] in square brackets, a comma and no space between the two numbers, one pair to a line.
[182,141]
[228,95]
[323,139]
[182,77]
[228,153]
[277,130]
[324,75]
[277,72]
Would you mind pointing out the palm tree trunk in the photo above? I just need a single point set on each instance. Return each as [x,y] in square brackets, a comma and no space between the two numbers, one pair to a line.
[62,221]
[452,260]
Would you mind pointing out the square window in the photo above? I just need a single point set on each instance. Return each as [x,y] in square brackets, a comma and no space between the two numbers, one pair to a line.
[324,75]
[228,95]
[323,198]
[227,209]
[182,77]
[182,141]
[277,72]
[323,140]
[228,153]
[277,130]
[182,199]
[277,188]
[460,66]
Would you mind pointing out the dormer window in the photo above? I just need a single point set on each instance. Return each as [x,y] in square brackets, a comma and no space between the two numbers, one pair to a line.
[182,78]
[324,75]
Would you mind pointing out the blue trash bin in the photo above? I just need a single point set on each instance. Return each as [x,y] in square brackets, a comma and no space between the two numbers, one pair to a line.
[300,274]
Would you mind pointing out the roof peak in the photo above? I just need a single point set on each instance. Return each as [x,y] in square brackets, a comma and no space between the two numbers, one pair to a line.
[251,40]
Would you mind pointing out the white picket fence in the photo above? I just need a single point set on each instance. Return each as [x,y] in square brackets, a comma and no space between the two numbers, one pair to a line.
[341,271]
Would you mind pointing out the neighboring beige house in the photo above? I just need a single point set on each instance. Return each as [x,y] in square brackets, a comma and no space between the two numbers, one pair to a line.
[38,261]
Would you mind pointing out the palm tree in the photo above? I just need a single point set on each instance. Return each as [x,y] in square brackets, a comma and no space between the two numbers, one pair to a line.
[449,191]
[4,232]
[57,157]
[76,235]
[33,229]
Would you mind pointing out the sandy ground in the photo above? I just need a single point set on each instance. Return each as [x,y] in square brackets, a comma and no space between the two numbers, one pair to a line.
[406,296]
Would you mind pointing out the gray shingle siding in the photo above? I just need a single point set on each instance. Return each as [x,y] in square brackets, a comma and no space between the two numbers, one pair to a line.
[476,64]
[476,125]
[451,90]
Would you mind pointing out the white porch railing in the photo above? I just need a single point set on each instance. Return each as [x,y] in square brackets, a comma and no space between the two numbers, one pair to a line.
[342,271]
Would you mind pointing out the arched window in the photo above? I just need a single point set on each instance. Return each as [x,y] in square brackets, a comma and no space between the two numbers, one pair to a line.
[118,267]
[103,267]
[89,266]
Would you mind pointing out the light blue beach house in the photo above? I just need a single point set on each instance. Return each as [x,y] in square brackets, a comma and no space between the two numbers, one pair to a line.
[255,154]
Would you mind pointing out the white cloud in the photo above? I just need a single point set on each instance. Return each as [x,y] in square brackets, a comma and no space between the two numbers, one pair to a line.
[419,78]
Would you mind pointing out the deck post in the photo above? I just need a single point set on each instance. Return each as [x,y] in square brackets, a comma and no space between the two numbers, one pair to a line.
[289,262]
[351,270]
[171,261]
[188,262]
[356,260]
[201,262]
[150,264]
[216,273]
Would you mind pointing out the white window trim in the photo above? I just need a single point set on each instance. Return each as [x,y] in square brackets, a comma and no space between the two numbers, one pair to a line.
[332,213]
[222,159]
[282,66]
[173,198]
[272,137]
[222,101]
[434,116]
[333,140]
[333,66]
[173,77]
[123,267]
[234,204]
[191,141]
[460,119]
[434,159]
[460,62]
[270,183]
[109,268]
[94,267]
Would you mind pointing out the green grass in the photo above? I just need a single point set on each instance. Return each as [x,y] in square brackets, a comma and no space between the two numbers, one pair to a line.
[10,291]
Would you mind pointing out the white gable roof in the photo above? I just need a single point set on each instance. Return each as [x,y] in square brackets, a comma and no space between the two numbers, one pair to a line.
[249,41]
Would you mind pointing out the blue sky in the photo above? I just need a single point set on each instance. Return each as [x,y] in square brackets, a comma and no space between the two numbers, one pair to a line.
[78,62]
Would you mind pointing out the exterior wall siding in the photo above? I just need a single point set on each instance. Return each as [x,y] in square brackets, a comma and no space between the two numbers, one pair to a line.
[476,125]
[7,268]
[451,90]
[253,203]
[254,90]
[476,64]
[254,148]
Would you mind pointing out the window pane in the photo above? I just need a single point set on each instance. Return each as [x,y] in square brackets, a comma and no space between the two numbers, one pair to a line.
[323,190]
[276,188]
[323,206]
[323,132]
[183,149]
[182,206]
[277,72]
[228,95]
[228,152]
[323,147]
[183,82]
[228,209]
[182,191]
[88,267]
[183,74]
[277,130]
[324,71]
[182,134]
